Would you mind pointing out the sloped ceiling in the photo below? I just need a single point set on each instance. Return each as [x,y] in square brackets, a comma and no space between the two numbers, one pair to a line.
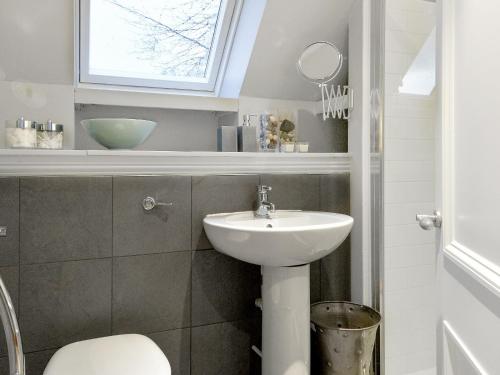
[286,28]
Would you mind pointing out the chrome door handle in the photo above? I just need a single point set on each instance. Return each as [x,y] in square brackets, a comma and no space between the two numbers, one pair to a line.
[427,222]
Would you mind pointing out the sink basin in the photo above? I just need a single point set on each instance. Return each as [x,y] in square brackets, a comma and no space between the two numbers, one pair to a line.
[289,238]
[283,245]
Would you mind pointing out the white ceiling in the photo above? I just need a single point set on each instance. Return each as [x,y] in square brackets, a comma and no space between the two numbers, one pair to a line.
[286,28]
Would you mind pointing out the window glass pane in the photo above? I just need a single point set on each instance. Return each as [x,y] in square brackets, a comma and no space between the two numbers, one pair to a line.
[420,78]
[153,39]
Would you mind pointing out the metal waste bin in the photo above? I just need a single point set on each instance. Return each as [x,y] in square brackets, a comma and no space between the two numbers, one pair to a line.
[343,338]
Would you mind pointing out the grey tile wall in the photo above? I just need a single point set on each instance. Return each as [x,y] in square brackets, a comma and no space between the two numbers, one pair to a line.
[10,277]
[9,217]
[218,279]
[335,274]
[336,267]
[294,192]
[151,293]
[64,302]
[223,348]
[176,344]
[335,193]
[82,260]
[65,219]
[163,229]
[216,194]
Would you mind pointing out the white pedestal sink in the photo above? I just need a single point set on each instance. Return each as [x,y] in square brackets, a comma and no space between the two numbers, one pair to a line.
[283,245]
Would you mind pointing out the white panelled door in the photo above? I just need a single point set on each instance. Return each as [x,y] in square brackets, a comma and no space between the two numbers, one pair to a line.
[468,264]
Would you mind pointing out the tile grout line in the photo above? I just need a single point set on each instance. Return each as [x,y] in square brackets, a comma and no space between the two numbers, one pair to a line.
[109,257]
[321,260]
[19,252]
[191,275]
[112,254]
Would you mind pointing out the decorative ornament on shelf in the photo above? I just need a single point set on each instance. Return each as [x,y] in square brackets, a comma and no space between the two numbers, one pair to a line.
[288,133]
[319,63]
[278,132]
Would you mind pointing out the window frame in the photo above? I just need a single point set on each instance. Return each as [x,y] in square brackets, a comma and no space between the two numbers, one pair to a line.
[223,36]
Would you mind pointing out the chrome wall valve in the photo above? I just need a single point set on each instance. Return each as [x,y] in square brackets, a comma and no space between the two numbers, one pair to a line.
[149,203]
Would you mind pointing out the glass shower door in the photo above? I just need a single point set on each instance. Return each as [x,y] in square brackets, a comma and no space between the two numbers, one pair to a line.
[408,263]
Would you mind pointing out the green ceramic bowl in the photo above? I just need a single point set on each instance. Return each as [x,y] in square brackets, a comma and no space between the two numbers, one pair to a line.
[119,133]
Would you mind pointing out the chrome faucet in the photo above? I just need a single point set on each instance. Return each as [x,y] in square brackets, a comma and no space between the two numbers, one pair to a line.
[264,207]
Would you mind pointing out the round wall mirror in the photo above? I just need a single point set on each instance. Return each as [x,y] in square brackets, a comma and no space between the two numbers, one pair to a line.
[320,62]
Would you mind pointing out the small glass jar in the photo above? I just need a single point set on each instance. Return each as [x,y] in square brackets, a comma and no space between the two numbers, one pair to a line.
[288,132]
[23,135]
[268,133]
[302,147]
[49,136]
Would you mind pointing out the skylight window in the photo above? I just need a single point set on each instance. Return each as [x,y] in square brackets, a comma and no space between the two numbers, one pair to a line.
[420,79]
[173,44]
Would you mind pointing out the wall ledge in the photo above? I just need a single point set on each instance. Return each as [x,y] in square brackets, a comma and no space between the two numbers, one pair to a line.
[126,162]
[152,98]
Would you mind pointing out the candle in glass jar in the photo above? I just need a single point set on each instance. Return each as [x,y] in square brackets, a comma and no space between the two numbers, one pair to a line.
[49,136]
[302,146]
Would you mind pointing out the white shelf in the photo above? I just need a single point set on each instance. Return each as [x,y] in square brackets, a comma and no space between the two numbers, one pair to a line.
[125,162]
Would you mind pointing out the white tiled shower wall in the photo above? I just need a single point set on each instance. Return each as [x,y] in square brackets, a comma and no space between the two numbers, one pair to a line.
[409,189]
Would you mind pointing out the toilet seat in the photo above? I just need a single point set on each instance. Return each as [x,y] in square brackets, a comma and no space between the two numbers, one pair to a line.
[113,355]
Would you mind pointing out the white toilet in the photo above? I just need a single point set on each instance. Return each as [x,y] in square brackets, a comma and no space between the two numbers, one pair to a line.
[113,355]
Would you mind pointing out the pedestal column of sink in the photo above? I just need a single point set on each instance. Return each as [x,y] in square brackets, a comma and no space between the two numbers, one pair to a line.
[285,320]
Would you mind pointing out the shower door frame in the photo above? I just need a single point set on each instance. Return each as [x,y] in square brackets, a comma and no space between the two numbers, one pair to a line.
[377,78]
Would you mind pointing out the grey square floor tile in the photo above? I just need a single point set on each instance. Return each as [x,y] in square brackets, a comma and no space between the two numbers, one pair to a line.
[224,289]
[335,274]
[293,192]
[335,193]
[151,293]
[64,302]
[217,194]
[164,228]
[67,218]
[176,345]
[223,348]
[9,217]
[10,277]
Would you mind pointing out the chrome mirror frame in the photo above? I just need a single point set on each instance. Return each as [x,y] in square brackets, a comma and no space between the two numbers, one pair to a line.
[328,77]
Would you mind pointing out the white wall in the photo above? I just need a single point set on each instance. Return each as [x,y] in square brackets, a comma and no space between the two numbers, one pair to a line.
[286,28]
[177,130]
[36,62]
[409,280]
[37,50]
[39,102]
[37,41]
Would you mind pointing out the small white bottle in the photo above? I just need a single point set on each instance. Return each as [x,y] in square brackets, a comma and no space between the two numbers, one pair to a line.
[247,135]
